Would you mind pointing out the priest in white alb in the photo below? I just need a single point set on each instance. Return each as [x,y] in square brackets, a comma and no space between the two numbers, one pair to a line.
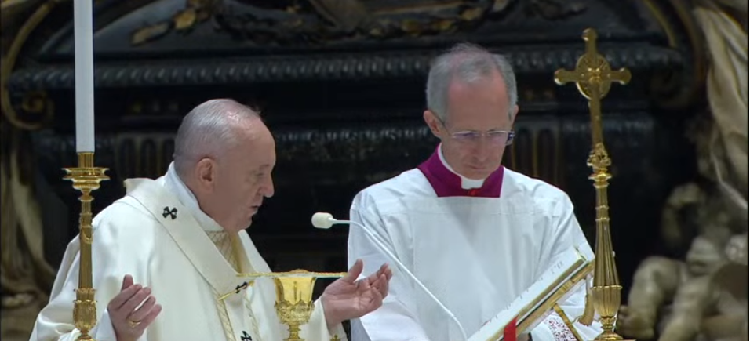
[166,257]
[473,232]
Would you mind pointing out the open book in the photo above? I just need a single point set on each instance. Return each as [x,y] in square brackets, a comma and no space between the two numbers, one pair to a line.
[533,305]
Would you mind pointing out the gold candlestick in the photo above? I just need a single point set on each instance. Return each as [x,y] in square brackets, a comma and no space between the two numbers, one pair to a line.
[593,77]
[86,178]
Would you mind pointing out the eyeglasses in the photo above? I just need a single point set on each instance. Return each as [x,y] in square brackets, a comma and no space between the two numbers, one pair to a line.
[498,137]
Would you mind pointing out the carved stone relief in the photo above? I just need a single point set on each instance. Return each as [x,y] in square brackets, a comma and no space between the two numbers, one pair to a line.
[318,21]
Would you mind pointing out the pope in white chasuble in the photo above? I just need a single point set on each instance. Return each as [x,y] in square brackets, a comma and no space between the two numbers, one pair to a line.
[166,253]
[474,233]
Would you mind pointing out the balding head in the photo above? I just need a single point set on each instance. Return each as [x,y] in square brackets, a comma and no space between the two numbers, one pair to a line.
[466,64]
[225,154]
[210,130]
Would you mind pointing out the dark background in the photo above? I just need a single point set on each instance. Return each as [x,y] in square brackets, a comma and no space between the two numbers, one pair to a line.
[346,104]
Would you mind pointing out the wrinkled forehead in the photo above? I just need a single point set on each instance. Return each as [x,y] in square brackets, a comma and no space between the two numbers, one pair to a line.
[487,90]
[471,82]
[482,104]
[254,144]
[252,130]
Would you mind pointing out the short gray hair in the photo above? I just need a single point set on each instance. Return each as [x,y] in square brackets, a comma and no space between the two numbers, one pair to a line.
[466,63]
[208,130]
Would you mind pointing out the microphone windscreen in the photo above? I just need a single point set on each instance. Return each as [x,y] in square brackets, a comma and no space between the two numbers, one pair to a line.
[322,220]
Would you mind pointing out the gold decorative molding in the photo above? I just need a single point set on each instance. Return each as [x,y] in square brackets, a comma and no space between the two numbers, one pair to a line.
[697,49]
[9,62]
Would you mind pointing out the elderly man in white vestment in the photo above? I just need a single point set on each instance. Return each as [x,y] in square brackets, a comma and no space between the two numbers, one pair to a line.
[473,232]
[165,253]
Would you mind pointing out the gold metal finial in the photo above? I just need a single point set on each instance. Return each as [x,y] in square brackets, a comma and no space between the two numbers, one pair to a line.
[593,77]
[86,178]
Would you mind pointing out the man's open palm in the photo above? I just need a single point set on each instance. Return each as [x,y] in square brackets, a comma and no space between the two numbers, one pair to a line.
[349,298]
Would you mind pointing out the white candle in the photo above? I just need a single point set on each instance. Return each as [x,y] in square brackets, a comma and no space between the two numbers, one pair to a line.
[84,74]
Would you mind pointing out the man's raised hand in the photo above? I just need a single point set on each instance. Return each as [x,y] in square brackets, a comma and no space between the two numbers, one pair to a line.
[132,310]
[349,298]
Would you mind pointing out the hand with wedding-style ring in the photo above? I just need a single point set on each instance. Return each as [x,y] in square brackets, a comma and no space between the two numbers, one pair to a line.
[132,310]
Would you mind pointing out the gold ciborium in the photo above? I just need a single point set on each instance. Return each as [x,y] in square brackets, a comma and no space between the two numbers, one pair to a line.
[294,303]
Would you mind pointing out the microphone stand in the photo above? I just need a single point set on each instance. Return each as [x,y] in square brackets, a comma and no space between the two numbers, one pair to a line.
[381,245]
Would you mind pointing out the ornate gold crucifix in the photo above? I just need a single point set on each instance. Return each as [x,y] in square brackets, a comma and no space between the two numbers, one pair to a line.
[593,77]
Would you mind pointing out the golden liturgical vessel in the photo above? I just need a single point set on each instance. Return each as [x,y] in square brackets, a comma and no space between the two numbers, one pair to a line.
[294,291]
[86,178]
[294,301]
[593,77]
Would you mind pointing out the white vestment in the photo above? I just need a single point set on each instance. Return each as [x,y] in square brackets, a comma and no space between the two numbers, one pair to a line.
[157,234]
[476,255]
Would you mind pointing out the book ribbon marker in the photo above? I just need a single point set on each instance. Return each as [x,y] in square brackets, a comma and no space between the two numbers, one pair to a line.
[509,333]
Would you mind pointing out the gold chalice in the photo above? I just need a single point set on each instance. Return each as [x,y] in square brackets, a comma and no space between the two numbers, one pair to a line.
[294,300]
[294,289]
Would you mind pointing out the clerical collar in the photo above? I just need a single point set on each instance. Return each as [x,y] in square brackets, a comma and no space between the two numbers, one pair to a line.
[466,183]
[178,188]
[448,183]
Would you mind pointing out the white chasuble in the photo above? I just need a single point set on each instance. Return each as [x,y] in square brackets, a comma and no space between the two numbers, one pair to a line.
[151,235]
[475,254]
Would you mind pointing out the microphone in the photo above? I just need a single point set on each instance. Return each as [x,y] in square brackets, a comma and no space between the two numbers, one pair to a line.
[325,220]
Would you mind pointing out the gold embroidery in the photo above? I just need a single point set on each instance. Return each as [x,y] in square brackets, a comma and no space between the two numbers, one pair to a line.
[227,246]
[225,322]
[230,246]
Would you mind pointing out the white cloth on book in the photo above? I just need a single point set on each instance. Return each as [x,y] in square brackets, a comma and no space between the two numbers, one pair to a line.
[158,234]
[476,252]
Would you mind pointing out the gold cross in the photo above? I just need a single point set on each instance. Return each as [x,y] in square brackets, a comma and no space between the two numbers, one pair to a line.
[593,77]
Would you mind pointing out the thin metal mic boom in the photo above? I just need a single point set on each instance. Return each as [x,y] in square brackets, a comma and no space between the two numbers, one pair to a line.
[324,220]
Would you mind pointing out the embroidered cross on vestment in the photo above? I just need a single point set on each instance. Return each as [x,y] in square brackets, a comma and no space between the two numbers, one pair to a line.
[241,287]
[169,212]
